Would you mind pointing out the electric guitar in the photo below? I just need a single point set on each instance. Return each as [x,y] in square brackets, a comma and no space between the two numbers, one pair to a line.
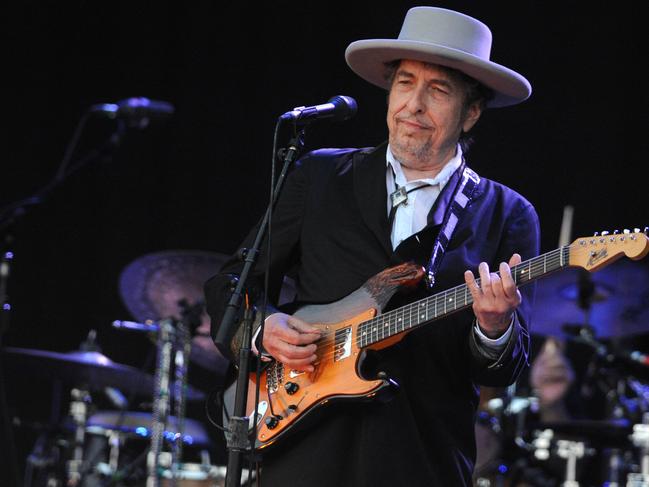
[355,324]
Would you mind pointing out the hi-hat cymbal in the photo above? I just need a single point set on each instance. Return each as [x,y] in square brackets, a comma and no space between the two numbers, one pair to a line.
[619,304]
[91,370]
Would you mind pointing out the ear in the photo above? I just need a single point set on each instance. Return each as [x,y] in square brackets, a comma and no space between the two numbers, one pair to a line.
[471,116]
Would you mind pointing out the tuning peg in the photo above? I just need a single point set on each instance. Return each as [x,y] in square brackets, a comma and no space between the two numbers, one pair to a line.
[605,233]
[646,230]
[627,231]
[595,234]
[615,232]
[636,230]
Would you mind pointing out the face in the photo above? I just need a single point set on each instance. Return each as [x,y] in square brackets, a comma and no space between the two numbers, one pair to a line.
[426,115]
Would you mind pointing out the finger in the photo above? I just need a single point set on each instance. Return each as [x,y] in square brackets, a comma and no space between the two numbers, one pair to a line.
[515,259]
[485,281]
[294,352]
[471,283]
[496,285]
[298,364]
[509,286]
[302,326]
[294,337]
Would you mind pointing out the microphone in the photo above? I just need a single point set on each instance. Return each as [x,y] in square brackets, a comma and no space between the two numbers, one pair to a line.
[339,108]
[137,111]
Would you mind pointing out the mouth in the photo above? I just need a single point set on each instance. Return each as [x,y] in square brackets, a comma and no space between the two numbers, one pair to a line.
[413,124]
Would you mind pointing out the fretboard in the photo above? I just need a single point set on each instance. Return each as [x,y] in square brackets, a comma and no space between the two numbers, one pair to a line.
[450,301]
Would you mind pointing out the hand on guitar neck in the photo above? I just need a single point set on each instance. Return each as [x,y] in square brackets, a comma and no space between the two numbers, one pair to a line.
[496,298]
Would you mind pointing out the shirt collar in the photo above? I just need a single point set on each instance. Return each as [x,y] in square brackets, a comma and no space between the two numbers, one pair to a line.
[442,177]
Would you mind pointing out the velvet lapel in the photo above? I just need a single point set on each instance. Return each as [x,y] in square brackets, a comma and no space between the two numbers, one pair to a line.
[371,193]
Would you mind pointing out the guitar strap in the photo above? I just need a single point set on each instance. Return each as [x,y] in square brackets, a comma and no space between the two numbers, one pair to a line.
[464,193]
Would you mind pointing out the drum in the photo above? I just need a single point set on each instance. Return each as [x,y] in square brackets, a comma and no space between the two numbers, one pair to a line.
[118,443]
[195,475]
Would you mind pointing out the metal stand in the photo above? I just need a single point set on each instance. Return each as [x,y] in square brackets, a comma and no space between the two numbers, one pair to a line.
[237,439]
[640,439]
[571,451]
[79,414]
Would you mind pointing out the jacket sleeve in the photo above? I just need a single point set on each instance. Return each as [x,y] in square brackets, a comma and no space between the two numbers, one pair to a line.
[286,225]
[521,236]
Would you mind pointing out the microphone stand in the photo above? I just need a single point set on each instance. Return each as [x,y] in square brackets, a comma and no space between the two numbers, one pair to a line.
[237,439]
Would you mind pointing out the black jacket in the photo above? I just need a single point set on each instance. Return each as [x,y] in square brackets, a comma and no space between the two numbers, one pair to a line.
[330,232]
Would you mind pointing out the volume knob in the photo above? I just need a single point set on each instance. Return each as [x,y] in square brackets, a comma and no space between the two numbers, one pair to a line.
[291,388]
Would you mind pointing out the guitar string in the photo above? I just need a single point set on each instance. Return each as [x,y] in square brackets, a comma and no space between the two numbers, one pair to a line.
[327,342]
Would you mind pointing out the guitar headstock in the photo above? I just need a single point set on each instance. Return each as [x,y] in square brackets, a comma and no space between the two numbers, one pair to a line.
[595,252]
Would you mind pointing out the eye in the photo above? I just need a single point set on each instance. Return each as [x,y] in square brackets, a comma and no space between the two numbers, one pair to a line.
[439,89]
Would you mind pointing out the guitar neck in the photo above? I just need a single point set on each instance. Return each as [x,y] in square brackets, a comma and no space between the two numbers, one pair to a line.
[450,301]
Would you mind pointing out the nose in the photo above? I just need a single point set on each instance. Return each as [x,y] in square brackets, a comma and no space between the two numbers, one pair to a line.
[416,103]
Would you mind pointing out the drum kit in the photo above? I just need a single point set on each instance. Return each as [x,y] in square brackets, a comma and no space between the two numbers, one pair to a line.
[100,439]
[588,423]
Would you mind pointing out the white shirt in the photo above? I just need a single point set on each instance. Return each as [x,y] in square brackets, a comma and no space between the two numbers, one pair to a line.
[411,216]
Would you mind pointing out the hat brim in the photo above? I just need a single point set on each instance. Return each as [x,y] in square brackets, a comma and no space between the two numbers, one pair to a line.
[368,59]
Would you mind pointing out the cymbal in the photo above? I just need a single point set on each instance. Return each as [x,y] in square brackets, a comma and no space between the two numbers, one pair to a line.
[153,285]
[619,305]
[91,370]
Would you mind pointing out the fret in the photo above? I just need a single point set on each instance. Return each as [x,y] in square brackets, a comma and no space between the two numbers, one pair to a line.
[422,312]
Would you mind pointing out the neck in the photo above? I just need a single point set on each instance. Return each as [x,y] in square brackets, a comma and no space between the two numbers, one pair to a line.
[413,168]
[416,173]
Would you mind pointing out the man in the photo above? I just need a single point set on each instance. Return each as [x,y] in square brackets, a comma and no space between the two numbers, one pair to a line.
[335,226]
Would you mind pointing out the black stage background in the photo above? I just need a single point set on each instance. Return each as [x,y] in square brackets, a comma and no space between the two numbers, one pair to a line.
[200,180]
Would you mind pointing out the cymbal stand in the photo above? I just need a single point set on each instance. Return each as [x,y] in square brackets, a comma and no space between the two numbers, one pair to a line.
[79,414]
[183,349]
[161,400]
[571,451]
[640,439]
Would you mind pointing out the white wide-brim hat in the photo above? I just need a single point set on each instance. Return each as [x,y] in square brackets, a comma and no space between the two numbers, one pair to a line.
[444,37]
